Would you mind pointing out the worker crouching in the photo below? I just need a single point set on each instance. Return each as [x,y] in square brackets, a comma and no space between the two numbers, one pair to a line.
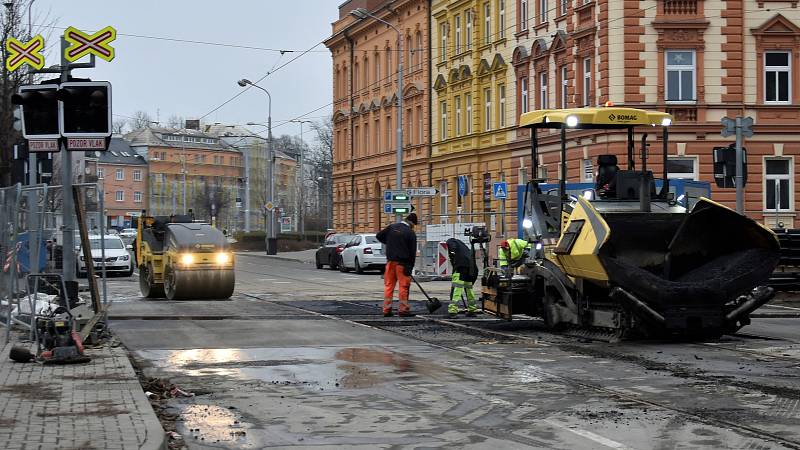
[513,252]
[465,272]
[401,252]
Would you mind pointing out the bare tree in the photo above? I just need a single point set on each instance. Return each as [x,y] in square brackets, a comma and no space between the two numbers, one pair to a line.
[320,162]
[140,119]
[213,198]
[175,121]
[119,126]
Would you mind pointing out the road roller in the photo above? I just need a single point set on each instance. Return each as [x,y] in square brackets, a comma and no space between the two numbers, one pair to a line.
[179,258]
[623,258]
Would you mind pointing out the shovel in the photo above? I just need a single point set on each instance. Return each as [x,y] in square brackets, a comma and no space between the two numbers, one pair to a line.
[433,303]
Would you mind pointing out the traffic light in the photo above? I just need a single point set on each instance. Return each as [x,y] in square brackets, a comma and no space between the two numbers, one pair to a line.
[85,109]
[39,104]
[725,166]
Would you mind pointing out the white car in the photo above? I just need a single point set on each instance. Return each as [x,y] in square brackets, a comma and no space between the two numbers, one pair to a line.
[118,259]
[363,252]
[128,233]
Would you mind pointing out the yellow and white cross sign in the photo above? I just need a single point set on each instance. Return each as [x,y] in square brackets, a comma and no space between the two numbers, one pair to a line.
[29,53]
[82,44]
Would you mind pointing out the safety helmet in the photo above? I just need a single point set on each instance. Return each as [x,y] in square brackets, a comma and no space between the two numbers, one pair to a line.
[504,245]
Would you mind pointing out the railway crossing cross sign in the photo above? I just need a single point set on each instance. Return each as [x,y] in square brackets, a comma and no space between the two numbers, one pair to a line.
[82,44]
[29,53]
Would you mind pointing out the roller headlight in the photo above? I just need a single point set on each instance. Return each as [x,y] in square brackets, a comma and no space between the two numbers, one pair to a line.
[187,259]
[539,246]
[527,223]
[572,121]
[666,121]
[223,258]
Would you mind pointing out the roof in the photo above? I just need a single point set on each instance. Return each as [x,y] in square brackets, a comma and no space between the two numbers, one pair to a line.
[120,152]
[599,117]
[183,138]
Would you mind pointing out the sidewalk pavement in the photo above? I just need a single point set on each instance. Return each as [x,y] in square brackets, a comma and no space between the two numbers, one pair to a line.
[98,405]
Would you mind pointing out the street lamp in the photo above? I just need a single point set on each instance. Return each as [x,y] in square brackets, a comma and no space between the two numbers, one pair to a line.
[300,222]
[362,13]
[272,247]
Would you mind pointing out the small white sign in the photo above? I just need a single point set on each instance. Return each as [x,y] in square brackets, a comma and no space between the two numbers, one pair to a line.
[86,143]
[421,192]
[43,145]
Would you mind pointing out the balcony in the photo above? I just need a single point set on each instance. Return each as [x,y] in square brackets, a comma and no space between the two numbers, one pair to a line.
[679,7]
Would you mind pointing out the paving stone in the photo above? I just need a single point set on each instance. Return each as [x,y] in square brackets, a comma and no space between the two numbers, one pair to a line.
[99,404]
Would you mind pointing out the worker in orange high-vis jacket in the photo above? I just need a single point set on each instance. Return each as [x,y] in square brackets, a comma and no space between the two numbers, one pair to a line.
[401,251]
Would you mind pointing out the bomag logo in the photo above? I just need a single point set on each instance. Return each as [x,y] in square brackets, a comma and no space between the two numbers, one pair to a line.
[622,117]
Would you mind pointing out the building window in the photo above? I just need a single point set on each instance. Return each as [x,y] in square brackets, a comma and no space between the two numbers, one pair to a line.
[468,26]
[501,100]
[444,120]
[562,7]
[458,34]
[137,175]
[487,25]
[137,197]
[777,76]
[587,175]
[420,128]
[100,173]
[443,198]
[420,50]
[543,103]
[470,121]
[564,90]
[523,83]
[680,75]
[443,36]
[682,168]
[487,113]
[502,20]
[458,116]
[777,184]
[523,15]
[120,174]
[377,59]
[389,69]
[542,11]
[587,81]
[389,133]
[120,196]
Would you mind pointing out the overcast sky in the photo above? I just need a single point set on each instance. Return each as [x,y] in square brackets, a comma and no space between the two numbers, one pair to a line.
[165,77]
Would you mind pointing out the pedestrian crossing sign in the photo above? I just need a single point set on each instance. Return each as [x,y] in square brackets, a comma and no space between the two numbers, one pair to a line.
[499,190]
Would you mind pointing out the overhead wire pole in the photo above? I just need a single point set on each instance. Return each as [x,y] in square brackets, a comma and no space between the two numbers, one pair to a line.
[300,193]
[362,13]
[272,247]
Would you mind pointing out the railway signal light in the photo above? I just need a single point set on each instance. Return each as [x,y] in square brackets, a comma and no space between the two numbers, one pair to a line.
[39,105]
[85,109]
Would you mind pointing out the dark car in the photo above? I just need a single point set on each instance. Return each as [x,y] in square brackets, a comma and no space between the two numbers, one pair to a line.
[329,253]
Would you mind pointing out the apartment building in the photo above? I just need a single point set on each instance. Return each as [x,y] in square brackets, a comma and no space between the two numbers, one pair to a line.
[366,56]
[123,174]
[190,169]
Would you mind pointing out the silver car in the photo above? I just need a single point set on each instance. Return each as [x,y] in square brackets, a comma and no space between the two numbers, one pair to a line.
[363,252]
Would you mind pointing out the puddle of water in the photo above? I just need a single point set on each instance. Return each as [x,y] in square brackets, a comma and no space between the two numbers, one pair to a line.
[210,424]
[317,368]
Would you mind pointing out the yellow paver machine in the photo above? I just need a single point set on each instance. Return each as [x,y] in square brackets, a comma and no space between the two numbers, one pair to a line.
[182,259]
[624,259]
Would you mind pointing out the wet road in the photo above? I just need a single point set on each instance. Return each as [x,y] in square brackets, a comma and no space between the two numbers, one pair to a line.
[300,357]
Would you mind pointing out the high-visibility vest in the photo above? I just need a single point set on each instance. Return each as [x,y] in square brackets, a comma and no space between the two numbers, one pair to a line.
[516,247]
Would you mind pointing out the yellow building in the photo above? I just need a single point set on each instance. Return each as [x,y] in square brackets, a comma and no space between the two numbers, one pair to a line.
[473,113]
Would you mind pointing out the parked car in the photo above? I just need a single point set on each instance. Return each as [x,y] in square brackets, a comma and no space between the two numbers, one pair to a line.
[118,259]
[328,254]
[363,252]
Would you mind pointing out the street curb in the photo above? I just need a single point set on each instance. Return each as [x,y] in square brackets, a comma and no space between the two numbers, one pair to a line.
[153,424]
[280,258]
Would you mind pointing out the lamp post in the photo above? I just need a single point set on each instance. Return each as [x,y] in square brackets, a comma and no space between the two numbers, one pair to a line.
[272,247]
[362,13]
[301,226]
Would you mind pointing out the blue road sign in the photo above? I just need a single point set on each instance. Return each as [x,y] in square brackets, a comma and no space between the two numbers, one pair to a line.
[387,208]
[462,185]
[500,190]
[387,196]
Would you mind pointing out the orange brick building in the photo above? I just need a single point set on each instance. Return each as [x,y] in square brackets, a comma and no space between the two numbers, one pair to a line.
[123,174]
[212,172]
[365,61]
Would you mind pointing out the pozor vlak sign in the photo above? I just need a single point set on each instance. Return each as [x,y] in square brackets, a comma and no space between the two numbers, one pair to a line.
[79,112]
